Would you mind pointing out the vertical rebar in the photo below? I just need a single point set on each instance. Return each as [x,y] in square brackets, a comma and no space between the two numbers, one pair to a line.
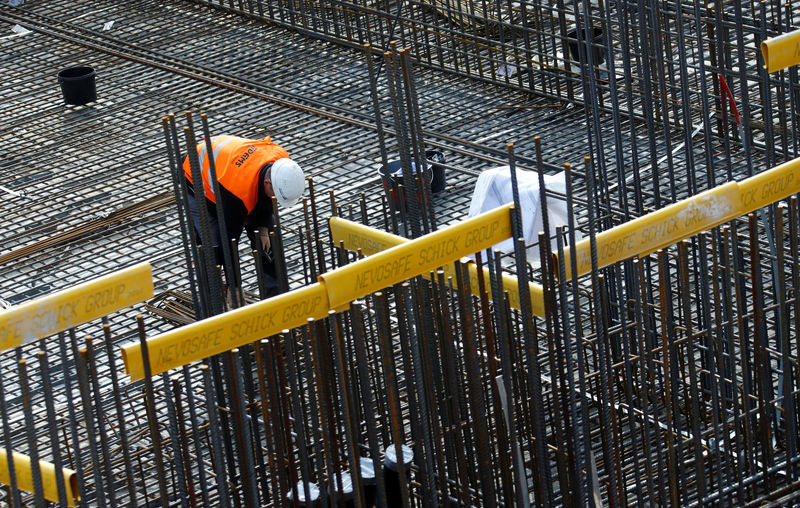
[30,432]
[52,428]
[92,377]
[213,424]
[152,419]
[121,429]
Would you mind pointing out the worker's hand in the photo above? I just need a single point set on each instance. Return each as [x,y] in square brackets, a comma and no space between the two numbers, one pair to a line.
[263,235]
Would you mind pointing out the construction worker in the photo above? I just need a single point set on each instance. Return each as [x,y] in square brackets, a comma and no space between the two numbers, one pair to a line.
[249,172]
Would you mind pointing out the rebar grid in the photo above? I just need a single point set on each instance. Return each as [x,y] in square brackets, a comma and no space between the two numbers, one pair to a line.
[684,397]
[674,363]
[657,82]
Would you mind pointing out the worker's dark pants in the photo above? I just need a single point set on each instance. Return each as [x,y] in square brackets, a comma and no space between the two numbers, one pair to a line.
[268,277]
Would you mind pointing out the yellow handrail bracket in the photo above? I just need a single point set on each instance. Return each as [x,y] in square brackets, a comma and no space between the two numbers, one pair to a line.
[73,306]
[24,477]
[782,51]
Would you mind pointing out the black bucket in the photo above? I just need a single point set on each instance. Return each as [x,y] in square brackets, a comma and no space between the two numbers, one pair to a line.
[436,160]
[435,173]
[599,50]
[391,477]
[77,85]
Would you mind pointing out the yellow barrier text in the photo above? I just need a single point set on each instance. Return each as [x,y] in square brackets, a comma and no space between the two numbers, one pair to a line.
[356,236]
[770,186]
[65,309]
[224,332]
[422,255]
[663,227]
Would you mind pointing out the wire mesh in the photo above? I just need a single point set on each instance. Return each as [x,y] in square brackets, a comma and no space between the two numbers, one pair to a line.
[670,379]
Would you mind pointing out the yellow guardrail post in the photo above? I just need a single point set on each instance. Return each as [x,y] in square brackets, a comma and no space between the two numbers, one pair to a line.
[356,236]
[782,51]
[333,291]
[73,306]
[24,477]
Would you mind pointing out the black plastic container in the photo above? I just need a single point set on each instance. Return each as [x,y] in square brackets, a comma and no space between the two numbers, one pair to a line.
[435,173]
[436,160]
[368,480]
[599,50]
[391,477]
[78,85]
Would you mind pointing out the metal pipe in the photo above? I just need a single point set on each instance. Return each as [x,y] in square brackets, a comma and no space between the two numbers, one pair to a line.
[123,431]
[94,386]
[218,464]
[384,337]
[71,413]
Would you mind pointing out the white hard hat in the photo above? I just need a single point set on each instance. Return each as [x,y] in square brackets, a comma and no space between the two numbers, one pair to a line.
[288,181]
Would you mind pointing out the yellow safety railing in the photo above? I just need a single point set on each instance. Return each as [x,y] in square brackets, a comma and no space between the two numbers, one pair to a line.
[356,236]
[334,290]
[686,218]
[24,477]
[73,306]
[637,237]
[54,313]
[782,51]
[416,257]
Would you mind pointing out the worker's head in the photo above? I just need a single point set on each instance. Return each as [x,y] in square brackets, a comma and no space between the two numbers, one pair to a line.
[287,181]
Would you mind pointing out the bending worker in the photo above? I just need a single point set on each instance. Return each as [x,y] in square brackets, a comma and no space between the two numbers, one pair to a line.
[249,172]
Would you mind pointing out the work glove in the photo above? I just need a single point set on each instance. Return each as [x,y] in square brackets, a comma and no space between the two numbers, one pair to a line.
[267,253]
[264,243]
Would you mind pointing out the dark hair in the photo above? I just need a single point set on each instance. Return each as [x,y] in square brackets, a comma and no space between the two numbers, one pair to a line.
[264,174]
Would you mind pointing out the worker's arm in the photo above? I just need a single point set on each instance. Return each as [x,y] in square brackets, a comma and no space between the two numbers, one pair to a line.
[259,223]
[259,239]
[262,242]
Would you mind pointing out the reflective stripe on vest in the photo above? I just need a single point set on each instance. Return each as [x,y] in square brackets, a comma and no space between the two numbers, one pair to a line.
[206,165]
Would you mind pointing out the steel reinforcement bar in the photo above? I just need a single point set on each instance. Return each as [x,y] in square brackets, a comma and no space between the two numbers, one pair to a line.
[663,403]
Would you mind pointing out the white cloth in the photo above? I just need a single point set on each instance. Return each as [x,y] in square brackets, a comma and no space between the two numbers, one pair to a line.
[493,189]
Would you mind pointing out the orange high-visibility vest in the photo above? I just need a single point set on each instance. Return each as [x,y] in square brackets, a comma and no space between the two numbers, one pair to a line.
[237,162]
